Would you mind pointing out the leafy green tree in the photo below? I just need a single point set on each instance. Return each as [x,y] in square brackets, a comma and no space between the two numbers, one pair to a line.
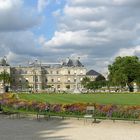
[85,81]
[124,71]
[5,77]
[92,85]
[100,78]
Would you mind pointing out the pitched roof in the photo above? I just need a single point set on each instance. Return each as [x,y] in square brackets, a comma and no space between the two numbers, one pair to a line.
[73,63]
[92,72]
[3,62]
[70,63]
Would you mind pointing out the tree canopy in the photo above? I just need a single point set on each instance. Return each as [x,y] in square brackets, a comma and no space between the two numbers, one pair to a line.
[99,82]
[100,78]
[5,77]
[125,71]
[85,81]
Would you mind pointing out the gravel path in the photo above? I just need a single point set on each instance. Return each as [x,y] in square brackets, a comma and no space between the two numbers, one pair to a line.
[70,129]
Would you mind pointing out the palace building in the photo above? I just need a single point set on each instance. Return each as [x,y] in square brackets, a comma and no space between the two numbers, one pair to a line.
[36,76]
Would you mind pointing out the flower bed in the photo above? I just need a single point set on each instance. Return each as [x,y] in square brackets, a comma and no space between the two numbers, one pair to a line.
[77,109]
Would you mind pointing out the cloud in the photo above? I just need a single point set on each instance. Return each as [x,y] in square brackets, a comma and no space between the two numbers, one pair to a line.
[99,30]
[95,3]
[17,41]
[7,4]
[14,16]
[89,3]
[73,40]
[25,44]
[95,30]
[42,5]
[129,51]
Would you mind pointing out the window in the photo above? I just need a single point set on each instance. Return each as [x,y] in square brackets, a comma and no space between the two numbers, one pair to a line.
[68,79]
[81,72]
[52,80]
[75,72]
[25,72]
[51,72]
[37,86]
[58,79]
[58,86]
[68,71]
[36,79]
[74,79]
[20,71]
[57,72]
[68,86]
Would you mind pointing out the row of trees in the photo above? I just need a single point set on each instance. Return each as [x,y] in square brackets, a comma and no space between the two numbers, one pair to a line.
[124,72]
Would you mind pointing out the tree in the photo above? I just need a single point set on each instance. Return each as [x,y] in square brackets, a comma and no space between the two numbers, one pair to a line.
[100,78]
[5,77]
[93,85]
[85,81]
[124,71]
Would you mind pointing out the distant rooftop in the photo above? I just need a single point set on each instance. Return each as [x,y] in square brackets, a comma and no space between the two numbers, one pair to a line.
[72,63]
[3,62]
[36,63]
[93,72]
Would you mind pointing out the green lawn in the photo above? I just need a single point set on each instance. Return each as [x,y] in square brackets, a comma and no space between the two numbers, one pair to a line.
[120,99]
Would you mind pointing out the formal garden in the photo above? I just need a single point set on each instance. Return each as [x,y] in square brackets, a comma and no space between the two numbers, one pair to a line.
[107,106]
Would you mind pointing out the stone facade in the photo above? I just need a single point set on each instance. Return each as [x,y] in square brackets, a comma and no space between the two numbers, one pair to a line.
[65,76]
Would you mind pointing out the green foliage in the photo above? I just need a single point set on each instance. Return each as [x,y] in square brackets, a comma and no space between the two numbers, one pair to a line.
[85,81]
[124,71]
[93,85]
[5,77]
[100,78]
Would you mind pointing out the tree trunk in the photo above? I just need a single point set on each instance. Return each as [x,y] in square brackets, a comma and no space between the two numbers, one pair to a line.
[130,86]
